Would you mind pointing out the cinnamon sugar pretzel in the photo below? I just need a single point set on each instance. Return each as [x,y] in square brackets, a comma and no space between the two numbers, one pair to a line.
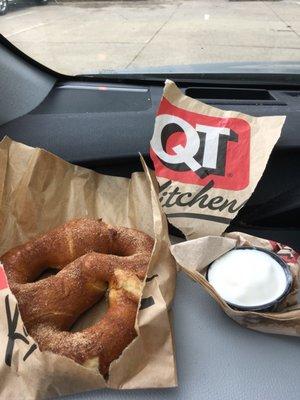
[92,258]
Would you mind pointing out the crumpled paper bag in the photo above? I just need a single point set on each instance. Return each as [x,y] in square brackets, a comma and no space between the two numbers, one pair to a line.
[207,161]
[39,191]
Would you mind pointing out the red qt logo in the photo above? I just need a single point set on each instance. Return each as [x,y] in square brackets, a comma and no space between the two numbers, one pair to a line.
[193,148]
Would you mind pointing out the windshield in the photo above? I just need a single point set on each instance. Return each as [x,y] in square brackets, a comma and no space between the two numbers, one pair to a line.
[92,37]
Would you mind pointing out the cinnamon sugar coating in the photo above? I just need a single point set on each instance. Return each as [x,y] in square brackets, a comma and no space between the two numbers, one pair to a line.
[93,258]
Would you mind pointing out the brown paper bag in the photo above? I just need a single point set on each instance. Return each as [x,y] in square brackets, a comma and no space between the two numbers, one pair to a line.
[194,256]
[207,161]
[39,191]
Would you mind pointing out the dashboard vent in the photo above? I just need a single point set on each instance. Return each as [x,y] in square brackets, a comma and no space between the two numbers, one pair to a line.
[293,94]
[233,96]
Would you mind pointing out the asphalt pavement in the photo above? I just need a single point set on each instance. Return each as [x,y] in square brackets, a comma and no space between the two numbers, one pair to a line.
[88,37]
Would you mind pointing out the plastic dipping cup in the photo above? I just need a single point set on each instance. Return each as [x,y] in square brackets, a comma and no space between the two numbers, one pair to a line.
[250,278]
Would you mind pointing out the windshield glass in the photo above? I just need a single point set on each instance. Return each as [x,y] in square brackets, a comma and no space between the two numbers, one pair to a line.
[92,37]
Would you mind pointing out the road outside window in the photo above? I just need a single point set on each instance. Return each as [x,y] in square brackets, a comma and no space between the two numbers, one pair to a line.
[87,37]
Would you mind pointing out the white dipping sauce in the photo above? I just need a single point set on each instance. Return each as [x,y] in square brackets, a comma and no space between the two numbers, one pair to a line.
[247,277]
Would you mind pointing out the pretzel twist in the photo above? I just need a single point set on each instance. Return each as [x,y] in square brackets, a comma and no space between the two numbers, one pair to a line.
[92,257]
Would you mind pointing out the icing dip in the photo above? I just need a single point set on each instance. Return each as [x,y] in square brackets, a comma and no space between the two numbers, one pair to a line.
[248,277]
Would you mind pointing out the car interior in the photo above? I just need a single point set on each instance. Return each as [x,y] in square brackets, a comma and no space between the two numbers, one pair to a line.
[103,122]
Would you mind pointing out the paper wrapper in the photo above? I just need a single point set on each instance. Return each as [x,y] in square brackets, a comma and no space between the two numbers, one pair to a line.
[194,257]
[207,161]
[39,191]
